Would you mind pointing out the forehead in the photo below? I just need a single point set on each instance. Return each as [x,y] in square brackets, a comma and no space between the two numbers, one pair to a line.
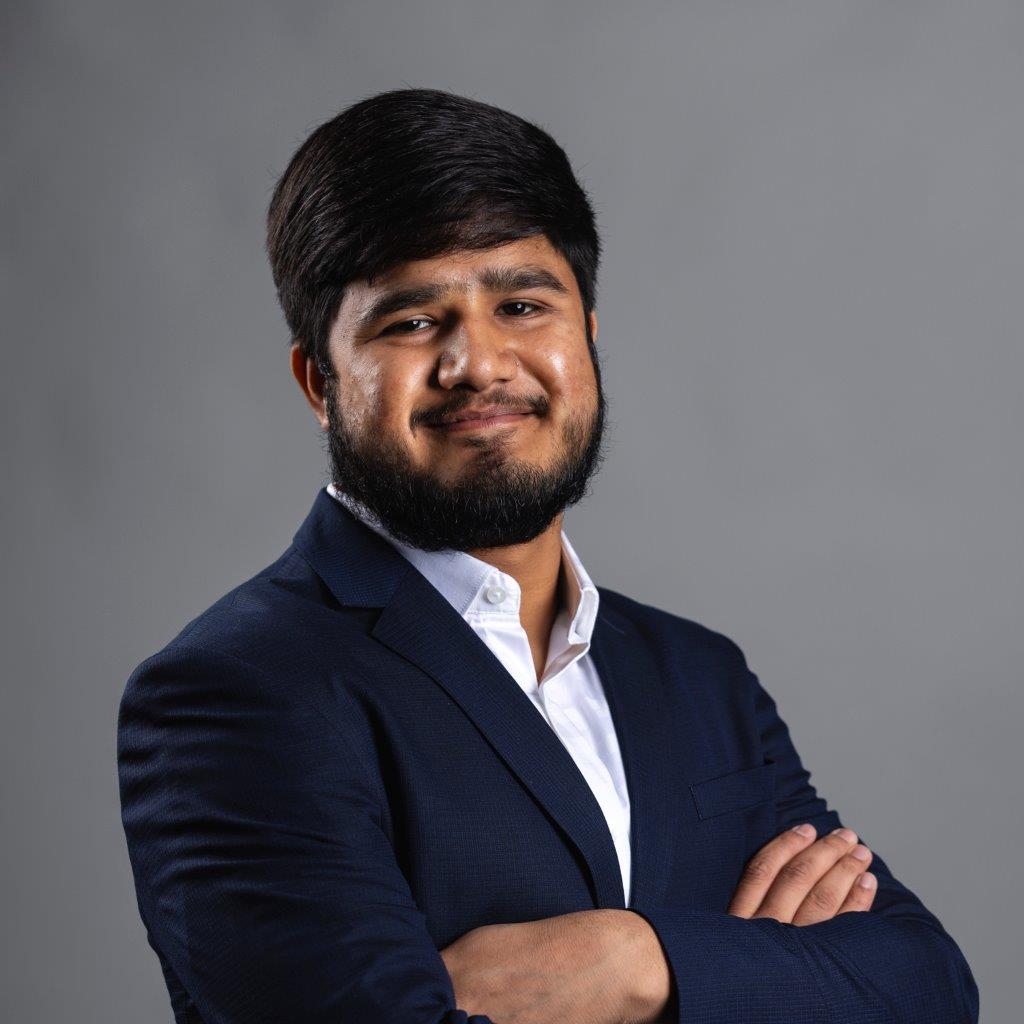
[460,267]
[526,263]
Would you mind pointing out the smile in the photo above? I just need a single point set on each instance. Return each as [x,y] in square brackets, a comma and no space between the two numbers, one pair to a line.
[506,419]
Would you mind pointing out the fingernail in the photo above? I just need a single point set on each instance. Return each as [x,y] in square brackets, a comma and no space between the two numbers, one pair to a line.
[861,852]
[807,831]
[845,833]
[867,880]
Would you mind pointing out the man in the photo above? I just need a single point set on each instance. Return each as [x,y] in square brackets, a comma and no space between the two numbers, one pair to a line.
[421,769]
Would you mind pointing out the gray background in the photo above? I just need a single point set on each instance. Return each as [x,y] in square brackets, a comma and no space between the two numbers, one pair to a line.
[810,316]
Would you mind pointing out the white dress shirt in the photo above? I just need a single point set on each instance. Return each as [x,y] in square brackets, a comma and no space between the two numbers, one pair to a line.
[569,694]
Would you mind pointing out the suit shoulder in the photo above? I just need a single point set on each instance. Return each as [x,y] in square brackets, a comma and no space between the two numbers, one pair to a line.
[252,630]
[668,627]
[267,603]
[242,657]
[251,619]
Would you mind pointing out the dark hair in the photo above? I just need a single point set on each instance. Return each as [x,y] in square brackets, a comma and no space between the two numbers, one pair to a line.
[412,174]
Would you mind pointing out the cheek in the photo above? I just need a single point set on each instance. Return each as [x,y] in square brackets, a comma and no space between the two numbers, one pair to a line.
[558,358]
[387,406]
[368,396]
[572,375]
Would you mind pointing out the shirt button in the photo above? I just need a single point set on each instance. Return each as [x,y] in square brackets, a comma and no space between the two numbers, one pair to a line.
[495,595]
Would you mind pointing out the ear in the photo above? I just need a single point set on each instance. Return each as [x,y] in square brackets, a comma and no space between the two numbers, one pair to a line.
[592,317]
[311,380]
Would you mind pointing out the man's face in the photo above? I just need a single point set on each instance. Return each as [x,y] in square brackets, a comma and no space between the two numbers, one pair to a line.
[439,338]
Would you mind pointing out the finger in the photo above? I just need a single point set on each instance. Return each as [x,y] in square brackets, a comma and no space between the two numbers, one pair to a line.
[827,895]
[762,868]
[862,893]
[797,877]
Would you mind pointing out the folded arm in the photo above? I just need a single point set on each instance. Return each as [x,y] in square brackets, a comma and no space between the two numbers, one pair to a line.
[894,963]
[266,882]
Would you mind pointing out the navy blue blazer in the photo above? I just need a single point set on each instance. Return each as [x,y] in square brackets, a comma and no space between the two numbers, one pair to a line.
[327,777]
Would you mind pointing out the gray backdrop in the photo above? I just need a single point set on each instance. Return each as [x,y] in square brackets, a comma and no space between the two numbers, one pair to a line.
[810,320]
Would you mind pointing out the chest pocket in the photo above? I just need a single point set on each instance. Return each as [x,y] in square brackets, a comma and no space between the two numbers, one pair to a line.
[734,791]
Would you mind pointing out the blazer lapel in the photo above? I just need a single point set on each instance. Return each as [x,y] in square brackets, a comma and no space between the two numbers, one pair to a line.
[361,568]
[419,624]
[633,687]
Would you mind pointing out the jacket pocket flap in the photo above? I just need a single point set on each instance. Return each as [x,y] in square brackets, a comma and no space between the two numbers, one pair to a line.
[734,791]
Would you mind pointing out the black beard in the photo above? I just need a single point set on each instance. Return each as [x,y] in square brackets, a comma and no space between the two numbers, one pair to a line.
[498,499]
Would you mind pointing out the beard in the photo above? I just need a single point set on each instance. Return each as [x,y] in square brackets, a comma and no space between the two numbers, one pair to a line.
[497,500]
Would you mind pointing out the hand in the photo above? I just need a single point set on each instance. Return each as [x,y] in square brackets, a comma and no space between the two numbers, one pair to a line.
[796,880]
[578,968]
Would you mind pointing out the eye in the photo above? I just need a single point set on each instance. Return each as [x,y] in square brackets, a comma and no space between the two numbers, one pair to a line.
[396,328]
[521,302]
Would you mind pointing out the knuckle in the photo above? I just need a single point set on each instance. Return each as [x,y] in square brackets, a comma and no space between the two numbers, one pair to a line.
[796,871]
[822,899]
[758,870]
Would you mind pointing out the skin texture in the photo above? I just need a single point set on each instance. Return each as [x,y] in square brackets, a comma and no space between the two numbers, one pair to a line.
[569,969]
[499,493]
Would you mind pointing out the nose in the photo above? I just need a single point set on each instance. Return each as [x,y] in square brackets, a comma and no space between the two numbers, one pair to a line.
[478,353]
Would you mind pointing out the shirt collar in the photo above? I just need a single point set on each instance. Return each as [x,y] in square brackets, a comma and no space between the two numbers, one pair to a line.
[473,587]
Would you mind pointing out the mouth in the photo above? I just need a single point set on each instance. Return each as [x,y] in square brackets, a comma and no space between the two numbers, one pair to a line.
[484,423]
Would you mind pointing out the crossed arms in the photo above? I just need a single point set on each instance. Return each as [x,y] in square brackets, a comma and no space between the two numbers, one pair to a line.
[608,967]
[271,894]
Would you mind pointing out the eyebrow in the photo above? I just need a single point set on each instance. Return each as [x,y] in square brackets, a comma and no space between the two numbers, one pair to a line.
[493,279]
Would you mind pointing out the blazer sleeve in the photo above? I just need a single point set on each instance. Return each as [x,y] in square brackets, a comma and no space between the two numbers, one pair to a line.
[266,882]
[894,963]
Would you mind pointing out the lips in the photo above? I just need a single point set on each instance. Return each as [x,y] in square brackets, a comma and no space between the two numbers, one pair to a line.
[485,420]
[485,412]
